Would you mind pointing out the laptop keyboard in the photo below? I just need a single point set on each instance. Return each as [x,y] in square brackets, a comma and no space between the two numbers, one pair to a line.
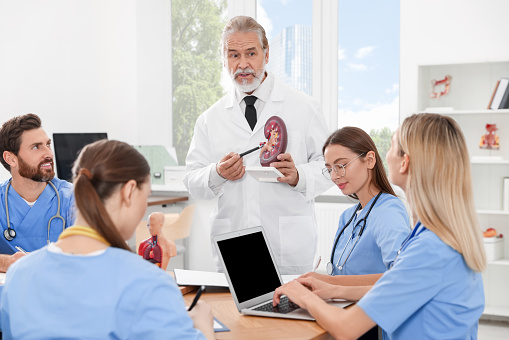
[285,306]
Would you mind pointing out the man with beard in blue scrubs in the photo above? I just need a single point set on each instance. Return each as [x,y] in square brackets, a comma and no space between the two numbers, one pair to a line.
[35,206]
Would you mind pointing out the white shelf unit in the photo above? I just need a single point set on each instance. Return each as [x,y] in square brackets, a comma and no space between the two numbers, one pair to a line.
[471,88]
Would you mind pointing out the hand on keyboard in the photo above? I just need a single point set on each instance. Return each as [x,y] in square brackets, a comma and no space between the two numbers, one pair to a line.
[285,306]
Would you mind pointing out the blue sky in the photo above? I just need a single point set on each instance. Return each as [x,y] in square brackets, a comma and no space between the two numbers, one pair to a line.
[368,55]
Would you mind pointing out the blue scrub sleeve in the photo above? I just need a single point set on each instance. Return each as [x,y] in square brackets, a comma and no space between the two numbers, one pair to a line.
[162,314]
[396,227]
[410,284]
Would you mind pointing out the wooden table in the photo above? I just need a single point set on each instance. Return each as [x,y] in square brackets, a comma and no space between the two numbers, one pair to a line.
[164,200]
[256,327]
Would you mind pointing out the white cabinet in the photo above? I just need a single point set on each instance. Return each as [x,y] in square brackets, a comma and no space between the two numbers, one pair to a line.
[470,91]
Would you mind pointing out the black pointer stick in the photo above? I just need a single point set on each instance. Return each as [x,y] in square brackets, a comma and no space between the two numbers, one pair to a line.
[249,151]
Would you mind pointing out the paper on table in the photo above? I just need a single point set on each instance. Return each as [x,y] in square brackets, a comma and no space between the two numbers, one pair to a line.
[185,277]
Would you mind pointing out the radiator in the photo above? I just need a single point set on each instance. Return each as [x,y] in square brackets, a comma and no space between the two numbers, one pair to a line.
[327,218]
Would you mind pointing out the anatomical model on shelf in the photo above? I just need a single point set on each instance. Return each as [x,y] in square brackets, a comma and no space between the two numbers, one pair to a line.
[440,88]
[490,140]
[157,249]
[491,232]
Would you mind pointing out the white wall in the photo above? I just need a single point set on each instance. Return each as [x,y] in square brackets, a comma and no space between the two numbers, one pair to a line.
[87,66]
[95,65]
[448,32]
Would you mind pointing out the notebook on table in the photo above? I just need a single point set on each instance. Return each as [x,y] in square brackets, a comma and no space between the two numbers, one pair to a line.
[253,275]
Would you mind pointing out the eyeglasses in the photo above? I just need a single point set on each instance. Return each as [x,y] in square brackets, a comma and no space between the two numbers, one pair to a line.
[339,169]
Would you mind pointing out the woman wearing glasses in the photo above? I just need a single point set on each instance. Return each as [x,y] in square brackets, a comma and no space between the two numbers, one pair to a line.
[434,290]
[370,233]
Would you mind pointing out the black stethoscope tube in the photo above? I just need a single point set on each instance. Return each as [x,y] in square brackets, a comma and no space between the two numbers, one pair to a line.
[331,263]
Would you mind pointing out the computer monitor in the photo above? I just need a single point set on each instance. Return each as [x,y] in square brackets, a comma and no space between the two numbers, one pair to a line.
[67,147]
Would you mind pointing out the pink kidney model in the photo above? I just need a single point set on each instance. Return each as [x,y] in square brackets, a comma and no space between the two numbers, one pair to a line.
[275,132]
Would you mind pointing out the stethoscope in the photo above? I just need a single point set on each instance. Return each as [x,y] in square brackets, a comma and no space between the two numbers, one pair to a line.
[330,265]
[10,233]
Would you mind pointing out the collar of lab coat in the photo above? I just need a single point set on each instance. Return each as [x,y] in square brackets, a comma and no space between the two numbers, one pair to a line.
[271,107]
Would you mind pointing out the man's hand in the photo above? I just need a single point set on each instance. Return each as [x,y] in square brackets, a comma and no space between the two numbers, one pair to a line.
[287,167]
[231,167]
[7,260]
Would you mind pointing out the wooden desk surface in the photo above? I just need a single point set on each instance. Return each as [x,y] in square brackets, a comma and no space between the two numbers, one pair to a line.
[162,200]
[256,327]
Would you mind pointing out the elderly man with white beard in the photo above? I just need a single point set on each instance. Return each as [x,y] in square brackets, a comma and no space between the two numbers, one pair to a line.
[235,123]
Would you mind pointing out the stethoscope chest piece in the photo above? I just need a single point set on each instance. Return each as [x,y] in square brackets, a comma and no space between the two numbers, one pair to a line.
[9,234]
[330,267]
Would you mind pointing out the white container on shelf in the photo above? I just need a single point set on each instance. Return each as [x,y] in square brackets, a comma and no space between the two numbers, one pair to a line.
[494,247]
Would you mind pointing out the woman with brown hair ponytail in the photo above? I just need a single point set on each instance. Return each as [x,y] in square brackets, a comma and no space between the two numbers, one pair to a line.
[97,172]
[89,284]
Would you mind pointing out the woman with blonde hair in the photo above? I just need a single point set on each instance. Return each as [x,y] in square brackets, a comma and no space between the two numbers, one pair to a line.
[88,285]
[434,289]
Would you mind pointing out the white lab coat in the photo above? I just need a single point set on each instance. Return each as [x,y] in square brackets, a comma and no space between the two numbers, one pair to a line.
[286,213]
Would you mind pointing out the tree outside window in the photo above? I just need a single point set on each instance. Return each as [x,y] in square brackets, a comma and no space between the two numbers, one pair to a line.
[197,65]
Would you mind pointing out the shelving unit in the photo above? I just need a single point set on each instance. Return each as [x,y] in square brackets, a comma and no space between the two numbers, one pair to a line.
[471,88]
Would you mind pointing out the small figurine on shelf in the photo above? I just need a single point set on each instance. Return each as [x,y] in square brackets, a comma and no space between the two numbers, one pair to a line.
[157,249]
[490,139]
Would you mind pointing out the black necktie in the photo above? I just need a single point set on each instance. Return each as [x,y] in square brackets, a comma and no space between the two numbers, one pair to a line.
[250,110]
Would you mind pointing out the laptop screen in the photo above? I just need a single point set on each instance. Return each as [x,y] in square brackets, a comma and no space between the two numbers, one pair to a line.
[249,265]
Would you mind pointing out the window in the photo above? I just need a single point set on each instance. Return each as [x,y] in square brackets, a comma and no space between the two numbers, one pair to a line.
[368,68]
[288,25]
[196,30]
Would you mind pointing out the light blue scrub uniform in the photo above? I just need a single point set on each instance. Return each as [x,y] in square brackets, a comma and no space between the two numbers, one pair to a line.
[31,224]
[429,293]
[114,294]
[387,226]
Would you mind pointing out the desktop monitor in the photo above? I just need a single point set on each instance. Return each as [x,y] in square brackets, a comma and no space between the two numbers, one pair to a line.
[67,147]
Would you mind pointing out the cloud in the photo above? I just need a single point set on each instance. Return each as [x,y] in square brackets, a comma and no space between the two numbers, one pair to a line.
[356,67]
[341,53]
[264,20]
[371,116]
[364,52]
[394,89]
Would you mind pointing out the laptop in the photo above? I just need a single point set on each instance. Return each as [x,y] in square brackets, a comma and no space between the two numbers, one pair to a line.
[253,276]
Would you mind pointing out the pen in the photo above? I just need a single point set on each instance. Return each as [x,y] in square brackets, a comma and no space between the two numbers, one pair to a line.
[21,250]
[249,151]
[196,298]
[317,263]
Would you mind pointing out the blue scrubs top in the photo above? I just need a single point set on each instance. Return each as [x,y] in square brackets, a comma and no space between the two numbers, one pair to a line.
[111,295]
[387,226]
[429,293]
[31,224]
